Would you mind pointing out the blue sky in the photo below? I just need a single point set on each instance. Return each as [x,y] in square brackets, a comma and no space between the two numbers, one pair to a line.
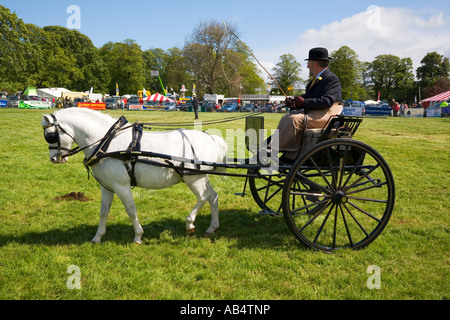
[409,28]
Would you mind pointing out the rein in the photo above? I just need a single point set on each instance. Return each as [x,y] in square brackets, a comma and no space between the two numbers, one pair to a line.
[148,125]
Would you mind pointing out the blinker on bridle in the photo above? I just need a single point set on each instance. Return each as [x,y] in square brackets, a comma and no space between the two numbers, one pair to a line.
[54,137]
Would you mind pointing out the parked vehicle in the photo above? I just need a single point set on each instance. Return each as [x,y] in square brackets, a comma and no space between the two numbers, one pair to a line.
[112,103]
[133,101]
[169,106]
[248,107]
[229,107]
[13,102]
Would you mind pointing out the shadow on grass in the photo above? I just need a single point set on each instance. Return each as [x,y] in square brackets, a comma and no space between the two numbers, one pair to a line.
[247,229]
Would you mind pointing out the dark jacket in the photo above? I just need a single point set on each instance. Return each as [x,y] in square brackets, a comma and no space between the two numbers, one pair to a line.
[324,93]
[195,103]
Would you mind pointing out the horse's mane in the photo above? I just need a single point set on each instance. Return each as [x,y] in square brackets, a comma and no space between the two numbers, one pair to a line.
[86,113]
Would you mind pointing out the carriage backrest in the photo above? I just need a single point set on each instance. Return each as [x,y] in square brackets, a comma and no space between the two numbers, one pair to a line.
[336,127]
[256,124]
[340,127]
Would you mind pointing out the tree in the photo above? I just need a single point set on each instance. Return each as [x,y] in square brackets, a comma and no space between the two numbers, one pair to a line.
[125,64]
[441,85]
[13,48]
[240,74]
[348,69]
[155,60]
[48,65]
[433,66]
[287,72]
[204,51]
[393,77]
[177,73]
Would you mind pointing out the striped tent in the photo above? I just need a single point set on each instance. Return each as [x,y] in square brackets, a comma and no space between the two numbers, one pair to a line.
[158,97]
[440,97]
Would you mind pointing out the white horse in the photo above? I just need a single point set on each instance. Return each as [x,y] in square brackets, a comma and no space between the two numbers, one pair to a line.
[87,127]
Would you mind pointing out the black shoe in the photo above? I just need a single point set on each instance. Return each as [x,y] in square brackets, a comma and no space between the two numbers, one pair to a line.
[285,161]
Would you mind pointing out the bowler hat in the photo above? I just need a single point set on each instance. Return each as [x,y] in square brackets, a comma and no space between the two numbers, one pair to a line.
[318,54]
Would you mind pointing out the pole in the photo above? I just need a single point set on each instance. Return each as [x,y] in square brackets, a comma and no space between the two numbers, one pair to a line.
[164,90]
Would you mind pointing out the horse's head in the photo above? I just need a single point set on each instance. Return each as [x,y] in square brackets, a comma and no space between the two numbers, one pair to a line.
[59,139]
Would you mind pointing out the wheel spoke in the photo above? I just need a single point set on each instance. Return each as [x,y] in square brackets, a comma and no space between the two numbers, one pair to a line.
[356,220]
[346,225]
[363,211]
[321,173]
[323,224]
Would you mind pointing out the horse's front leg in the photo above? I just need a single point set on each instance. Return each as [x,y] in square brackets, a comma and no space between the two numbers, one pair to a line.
[125,195]
[107,198]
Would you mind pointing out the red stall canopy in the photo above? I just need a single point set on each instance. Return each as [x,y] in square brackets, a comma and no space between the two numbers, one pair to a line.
[158,97]
[440,97]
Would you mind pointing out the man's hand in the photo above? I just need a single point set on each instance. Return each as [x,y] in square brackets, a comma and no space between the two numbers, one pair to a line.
[299,102]
[295,103]
[289,102]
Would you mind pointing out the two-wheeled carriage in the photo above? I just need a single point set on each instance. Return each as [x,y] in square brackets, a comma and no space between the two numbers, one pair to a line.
[337,193]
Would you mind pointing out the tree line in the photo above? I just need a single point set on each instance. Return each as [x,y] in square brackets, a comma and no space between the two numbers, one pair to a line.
[211,58]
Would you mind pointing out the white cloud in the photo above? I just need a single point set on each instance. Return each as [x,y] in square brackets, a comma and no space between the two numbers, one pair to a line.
[399,31]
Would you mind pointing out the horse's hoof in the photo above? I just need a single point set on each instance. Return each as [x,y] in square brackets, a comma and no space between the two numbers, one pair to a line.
[137,242]
[190,232]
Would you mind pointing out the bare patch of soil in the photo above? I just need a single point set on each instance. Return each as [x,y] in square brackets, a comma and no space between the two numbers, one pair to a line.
[74,196]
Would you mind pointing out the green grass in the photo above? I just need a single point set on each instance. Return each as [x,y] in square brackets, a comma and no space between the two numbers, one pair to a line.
[250,256]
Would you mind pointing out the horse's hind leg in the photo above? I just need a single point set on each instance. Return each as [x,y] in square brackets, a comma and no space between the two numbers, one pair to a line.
[204,192]
[124,194]
[107,197]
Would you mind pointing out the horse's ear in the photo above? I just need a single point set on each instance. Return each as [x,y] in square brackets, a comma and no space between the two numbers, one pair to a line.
[45,119]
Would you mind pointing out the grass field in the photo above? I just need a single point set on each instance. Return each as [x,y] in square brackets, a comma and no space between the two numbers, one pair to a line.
[250,257]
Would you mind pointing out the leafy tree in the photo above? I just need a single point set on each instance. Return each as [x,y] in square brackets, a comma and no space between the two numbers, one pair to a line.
[441,85]
[13,48]
[87,60]
[176,70]
[348,69]
[287,72]
[433,67]
[240,74]
[48,65]
[205,51]
[125,64]
[392,76]
[155,59]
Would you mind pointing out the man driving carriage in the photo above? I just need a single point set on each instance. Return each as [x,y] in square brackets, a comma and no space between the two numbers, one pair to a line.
[322,99]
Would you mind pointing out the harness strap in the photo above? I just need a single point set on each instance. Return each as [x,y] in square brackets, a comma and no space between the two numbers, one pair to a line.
[131,153]
[104,144]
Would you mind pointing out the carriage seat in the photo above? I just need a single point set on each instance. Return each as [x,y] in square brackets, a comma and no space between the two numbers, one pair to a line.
[338,126]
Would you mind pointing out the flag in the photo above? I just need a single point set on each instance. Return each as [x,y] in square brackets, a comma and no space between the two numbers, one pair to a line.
[379,94]
[117,89]
[193,89]
[144,93]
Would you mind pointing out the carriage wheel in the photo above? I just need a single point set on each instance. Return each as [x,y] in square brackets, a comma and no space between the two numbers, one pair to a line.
[339,194]
[267,192]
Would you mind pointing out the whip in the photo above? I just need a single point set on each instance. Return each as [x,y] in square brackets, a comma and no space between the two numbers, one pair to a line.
[248,49]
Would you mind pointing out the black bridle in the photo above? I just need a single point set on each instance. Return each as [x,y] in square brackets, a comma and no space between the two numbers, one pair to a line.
[54,137]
